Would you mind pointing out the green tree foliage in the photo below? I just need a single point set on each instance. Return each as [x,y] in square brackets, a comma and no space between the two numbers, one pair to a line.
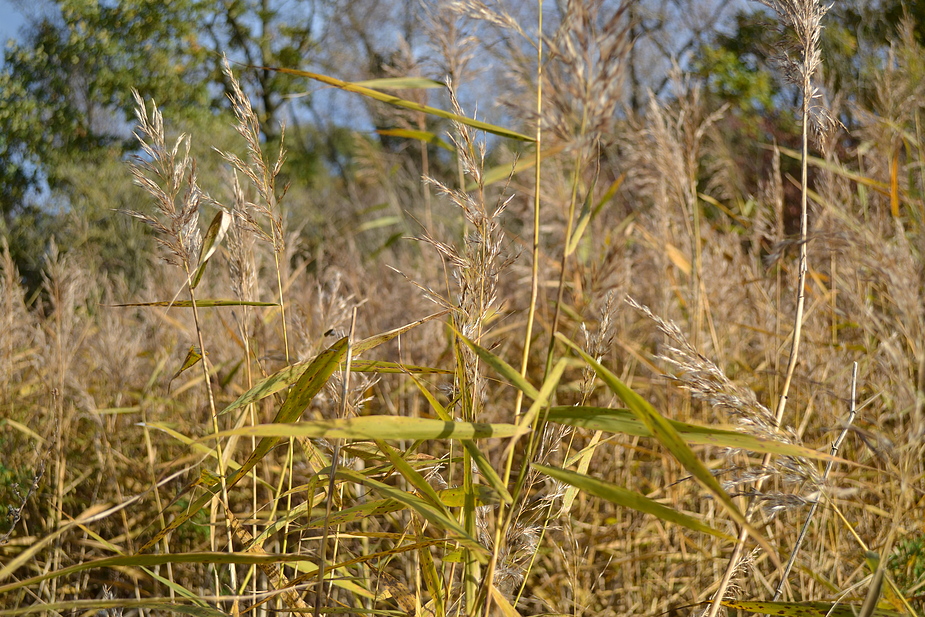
[64,104]
[743,66]
[65,85]
[262,34]
[739,70]
[746,68]
[66,108]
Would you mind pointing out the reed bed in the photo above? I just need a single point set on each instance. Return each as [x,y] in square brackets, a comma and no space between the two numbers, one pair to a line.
[588,375]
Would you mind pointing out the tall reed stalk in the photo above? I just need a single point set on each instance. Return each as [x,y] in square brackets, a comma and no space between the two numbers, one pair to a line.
[804,17]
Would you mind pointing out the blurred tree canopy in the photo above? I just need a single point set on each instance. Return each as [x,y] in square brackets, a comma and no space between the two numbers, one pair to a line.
[63,101]
[862,40]
[66,111]
[741,65]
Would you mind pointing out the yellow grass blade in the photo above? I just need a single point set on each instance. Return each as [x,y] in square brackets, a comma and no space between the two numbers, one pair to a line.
[508,372]
[401,83]
[378,339]
[384,366]
[837,169]
[285,377]
[484,465]
[406,104]
[584,463]
[425,136]
[503,172]
[584,217]
[398,550]
[217,230]
[199,303]
[373,427]
[158,605]
[413,476]
[542,398]
[369,509]
[427,511]
[504,606]
[141,561]
[193,356]
[894,184]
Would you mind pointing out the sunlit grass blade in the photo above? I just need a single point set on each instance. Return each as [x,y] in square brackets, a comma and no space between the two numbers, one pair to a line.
[630,499]
[624,421]
[296,512]
[285,377]
[894,184]
[398,102]
[425,136]
[503,604]
[806,609]
[178,589]
[489,473]
[141,561]
[665,433]
[484,465]
[398,550]
[456,497]
[542,398]
[199,303]
[374,427]
[379,223]
[413,476]
[309,384]
[881,187]
[608,194]
[279,380]
[384,366]
[431,577]
[28,554]
[217,230]
[508,372]
[193,356]
[502,173]
[584,217]
[449,498]
[384,337]
[370,509]
[400,83]
[158,605]
[426,510]
[583,458]
[188,441]
[589,211]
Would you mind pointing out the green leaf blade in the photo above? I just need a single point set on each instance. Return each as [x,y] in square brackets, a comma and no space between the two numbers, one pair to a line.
[309,384]
[666,434]
[615,420]
[629,499]
[504,369]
